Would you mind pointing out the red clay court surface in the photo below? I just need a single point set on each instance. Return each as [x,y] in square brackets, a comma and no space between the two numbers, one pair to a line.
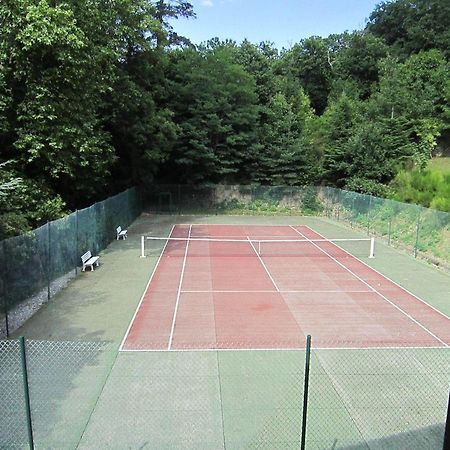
[216,295]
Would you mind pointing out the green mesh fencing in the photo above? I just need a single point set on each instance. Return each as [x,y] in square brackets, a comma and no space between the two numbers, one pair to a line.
[86,395]
[35,266]
[421,231]
[378,398]
[13,425]
[65,380]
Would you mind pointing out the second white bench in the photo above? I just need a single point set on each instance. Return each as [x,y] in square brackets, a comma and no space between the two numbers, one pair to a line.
[121,233]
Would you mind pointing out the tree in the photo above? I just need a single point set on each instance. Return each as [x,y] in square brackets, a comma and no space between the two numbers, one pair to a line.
[409,27]
[337,127]
[215,108]
[258,61]
[56,81]
[417,92]
[358,60]
[281,159]
[308,62]
[167,11]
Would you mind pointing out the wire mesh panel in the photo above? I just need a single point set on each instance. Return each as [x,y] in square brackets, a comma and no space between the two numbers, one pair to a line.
[26,274]
[200,400]
[3,302]
[159,400]
[378,398]
[84,395]
[422,231]
[261,395]
[13,428]
[63,253]
[66,379]
[35,266]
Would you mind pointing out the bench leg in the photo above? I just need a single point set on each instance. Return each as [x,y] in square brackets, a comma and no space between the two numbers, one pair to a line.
[92,267]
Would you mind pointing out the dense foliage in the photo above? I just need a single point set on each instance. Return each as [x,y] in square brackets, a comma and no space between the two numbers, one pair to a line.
[99,95]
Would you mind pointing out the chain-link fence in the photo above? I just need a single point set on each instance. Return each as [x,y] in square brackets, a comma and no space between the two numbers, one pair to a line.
[422,231]
[35,266]
[86,395]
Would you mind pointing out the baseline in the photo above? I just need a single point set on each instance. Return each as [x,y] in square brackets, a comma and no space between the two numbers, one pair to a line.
[212,291]
[274,349]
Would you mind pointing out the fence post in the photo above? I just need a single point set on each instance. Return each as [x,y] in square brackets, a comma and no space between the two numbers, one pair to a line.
[447,427]
[26,389]
[5,300]
[5,305]
[368,215]
[48,262]
[76,242]
[305,392]
[389,230]
[417,235]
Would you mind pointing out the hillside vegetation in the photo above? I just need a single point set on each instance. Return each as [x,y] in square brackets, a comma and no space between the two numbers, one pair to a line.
[97,97]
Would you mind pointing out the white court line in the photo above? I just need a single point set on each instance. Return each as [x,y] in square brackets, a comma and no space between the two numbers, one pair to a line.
[179,291]
[145,291]
[374,290]
[389,279]
[262,262]
[212,291]
[272,349]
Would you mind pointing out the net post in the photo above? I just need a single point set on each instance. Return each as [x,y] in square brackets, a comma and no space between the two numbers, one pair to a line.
[142,246]
[305,392]
[372,247]
[26,389]
[259,247]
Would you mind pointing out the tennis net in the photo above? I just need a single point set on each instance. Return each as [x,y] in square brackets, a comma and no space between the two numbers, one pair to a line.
[222,247]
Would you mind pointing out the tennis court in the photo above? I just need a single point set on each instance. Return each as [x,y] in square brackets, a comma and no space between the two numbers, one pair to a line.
[211,328]
[267,287]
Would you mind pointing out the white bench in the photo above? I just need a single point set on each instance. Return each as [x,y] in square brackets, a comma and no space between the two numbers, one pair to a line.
[89,261]
[121,233]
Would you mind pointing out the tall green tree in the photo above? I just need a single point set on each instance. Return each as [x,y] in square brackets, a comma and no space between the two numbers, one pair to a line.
[167,11]
[282,159]
[357,60]
[309,63]
[215,106]
[56,82]
[410,26]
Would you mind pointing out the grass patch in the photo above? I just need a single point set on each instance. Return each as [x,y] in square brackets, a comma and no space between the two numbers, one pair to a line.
[441,164]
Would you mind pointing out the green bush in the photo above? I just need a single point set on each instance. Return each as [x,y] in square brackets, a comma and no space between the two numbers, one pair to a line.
[429,188]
